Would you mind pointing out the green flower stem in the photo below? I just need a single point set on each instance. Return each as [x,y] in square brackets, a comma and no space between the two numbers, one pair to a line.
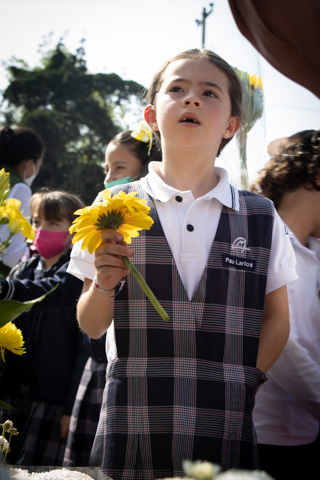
[145,287]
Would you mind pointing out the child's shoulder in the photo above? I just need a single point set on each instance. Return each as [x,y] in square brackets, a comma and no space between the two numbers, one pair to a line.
[24,266]
[253,200]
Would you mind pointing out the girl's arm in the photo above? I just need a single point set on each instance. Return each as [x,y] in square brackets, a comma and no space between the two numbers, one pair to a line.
[275,328]
[95,308]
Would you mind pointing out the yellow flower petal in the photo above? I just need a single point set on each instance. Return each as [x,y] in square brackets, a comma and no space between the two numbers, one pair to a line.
[17,222]
[11,339]
[4,185]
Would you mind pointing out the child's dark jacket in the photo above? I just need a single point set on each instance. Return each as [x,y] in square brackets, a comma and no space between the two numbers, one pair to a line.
[56,348]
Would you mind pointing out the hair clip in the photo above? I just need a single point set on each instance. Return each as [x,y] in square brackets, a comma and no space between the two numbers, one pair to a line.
[143,133]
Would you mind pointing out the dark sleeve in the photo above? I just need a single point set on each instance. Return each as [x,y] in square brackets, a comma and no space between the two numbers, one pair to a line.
[82,354]
[23,290]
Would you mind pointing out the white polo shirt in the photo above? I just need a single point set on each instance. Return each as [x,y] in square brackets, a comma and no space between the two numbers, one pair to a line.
[190,226]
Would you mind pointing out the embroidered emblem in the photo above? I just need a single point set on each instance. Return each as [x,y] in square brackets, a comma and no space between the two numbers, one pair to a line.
[240,244]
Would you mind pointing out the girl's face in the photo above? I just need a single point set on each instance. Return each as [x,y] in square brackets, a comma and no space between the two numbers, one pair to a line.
[120,162]
[52,225]
[192,108]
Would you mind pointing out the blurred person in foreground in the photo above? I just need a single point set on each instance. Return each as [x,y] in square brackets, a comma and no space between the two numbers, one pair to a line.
[287,409]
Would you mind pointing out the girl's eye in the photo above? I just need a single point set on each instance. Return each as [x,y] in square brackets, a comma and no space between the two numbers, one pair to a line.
[209,93]
[175,89]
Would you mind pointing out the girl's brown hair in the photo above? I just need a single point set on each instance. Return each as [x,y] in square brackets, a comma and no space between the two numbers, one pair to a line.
[294,163]
[55,204]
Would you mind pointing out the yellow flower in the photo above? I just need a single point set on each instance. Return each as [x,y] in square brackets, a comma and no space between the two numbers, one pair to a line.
[122,212]
[4,185]
[143,133]
[255,81]
[17,222]
[11,339]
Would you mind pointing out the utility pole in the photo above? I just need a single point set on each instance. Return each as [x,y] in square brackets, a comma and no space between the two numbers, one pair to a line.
[202,22]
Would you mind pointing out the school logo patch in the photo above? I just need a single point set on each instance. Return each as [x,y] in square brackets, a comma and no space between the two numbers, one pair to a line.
[239,246]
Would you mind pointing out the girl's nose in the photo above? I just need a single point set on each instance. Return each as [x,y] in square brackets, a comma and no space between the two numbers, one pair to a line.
[192,100]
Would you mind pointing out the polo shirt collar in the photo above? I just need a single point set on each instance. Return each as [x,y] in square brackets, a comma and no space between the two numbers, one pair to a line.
[160,191]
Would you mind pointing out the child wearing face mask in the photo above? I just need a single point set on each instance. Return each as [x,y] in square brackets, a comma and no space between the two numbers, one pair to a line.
[21,154]
[128,155]
[42,383]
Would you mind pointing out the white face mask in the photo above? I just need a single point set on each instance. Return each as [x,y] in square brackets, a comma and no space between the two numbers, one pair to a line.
[29,180]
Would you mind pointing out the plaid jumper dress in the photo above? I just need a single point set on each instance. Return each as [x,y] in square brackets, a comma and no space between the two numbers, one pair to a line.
[184,389]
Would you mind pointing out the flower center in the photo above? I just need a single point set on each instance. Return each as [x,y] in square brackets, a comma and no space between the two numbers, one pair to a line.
[114,219]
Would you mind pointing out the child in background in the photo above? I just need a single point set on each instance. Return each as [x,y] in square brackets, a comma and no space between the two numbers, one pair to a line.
[21,154]
[218,260]
[287,410]
[126,159]
[42,383]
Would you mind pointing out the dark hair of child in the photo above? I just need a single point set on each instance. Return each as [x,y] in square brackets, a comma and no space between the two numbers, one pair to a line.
[55,204]
[19,144]
[295,162]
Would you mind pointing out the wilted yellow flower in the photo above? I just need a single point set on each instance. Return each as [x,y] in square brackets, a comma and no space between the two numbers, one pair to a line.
[11,339]
[4,185]
[123,212]
[17,222]
[252,109]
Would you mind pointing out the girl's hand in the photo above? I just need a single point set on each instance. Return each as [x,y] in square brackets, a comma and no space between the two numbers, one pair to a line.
[64,428]
[109,265]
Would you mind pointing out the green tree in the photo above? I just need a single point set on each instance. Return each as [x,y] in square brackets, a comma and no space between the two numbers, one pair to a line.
[73,111]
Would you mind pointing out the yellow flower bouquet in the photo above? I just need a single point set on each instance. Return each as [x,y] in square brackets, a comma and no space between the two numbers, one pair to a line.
[124,213]
[11,215]
[252,109]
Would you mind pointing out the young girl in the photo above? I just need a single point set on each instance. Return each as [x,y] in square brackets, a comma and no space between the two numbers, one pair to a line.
[126,158]
[128,155]
[218,260]
[43,382]
[21,154]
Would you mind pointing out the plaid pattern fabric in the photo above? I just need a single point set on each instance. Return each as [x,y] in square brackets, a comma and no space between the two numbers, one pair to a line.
[85,415]
[41,443]
[184,389]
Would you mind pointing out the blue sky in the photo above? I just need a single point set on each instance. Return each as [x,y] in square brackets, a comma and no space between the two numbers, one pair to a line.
[133,38]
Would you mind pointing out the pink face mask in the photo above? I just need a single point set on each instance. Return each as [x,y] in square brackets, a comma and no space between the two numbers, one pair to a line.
[49,244]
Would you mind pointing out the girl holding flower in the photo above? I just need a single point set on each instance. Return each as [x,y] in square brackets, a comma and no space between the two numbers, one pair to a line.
[218,261]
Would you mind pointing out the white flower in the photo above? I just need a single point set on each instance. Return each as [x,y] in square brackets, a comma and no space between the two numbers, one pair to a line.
[244,475]
[201,470]
[4,444]
[54,474]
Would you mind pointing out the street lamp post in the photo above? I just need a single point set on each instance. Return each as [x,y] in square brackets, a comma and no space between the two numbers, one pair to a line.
[202,22]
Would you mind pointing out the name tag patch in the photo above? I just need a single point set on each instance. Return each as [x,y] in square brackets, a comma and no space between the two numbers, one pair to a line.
[239,262]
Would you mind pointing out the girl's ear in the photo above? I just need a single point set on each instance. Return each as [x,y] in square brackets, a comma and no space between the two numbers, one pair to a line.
[232,127]
[150,117]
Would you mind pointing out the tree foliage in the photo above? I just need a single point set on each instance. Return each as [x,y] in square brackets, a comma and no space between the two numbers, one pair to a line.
[73,111]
